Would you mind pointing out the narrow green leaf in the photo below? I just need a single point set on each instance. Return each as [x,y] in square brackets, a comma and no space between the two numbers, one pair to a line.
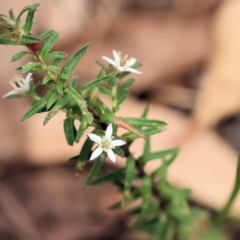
[54,55]
[29,20]
[19,55]
[46,79]
[11,14]
[29,66]
[122,96]
[128,83]
[85,152]
[130,174]
[36,107]
[52,69]
[69,131]
[73,60]
[97,165]
[117,175]
[57,62]
[52,99]
[73,82]
[48,43]
[9,42]
[62,76]
[59,87]
[96,82]
[159,154]
[102,66]
[26,39]
[45,34]
[119,152]
[78,99]
[27,8]
[143,122]
[82,128]
[146,197]
[56,108]
[105,91]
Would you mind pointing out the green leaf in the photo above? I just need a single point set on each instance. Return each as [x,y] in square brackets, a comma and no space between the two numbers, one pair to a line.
[96,82]
[27,8]
[159,155]
[146,196]
[45,34]
[29,66]
[73,93]
[126,84]
[130,174]
[73,60]
[57,62]
[122,96]
[36,107]
[85,152]
[56,108]
[26,39]
[97,165]
[69,130]
[52,69]
[54,55]
[46,79]
[82,128]
[102,66]
[52,99]
[73,82]
[224,212]
[48,43]
[143,122]
[11,14]
[119,152]
[105,91]
[19,55]
[117,175]
[59,87]
[9,42]
[29,20]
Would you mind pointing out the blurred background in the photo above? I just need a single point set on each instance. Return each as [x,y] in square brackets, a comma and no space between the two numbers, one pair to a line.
[190,50]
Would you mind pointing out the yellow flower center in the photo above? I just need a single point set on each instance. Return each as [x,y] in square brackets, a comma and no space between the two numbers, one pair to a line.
[106,144]
[123,59]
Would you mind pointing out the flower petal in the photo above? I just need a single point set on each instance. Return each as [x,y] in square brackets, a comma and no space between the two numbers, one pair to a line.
[132,70]
[109,132]
[130,62]
[118,142]
[28,78]
[95,138]
[97,152]
[111,155]
[117,58]
[10,93]
[109,60]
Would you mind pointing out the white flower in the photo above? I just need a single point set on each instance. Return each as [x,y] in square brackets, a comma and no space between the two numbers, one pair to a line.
[105,143]
[122,64]
[20,85]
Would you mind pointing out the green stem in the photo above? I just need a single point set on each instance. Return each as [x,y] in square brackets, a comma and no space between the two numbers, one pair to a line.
[114,99]
[225,211]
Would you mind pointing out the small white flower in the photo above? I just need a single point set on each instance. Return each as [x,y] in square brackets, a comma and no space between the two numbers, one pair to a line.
[105,143]
[122,64]
[20,85]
